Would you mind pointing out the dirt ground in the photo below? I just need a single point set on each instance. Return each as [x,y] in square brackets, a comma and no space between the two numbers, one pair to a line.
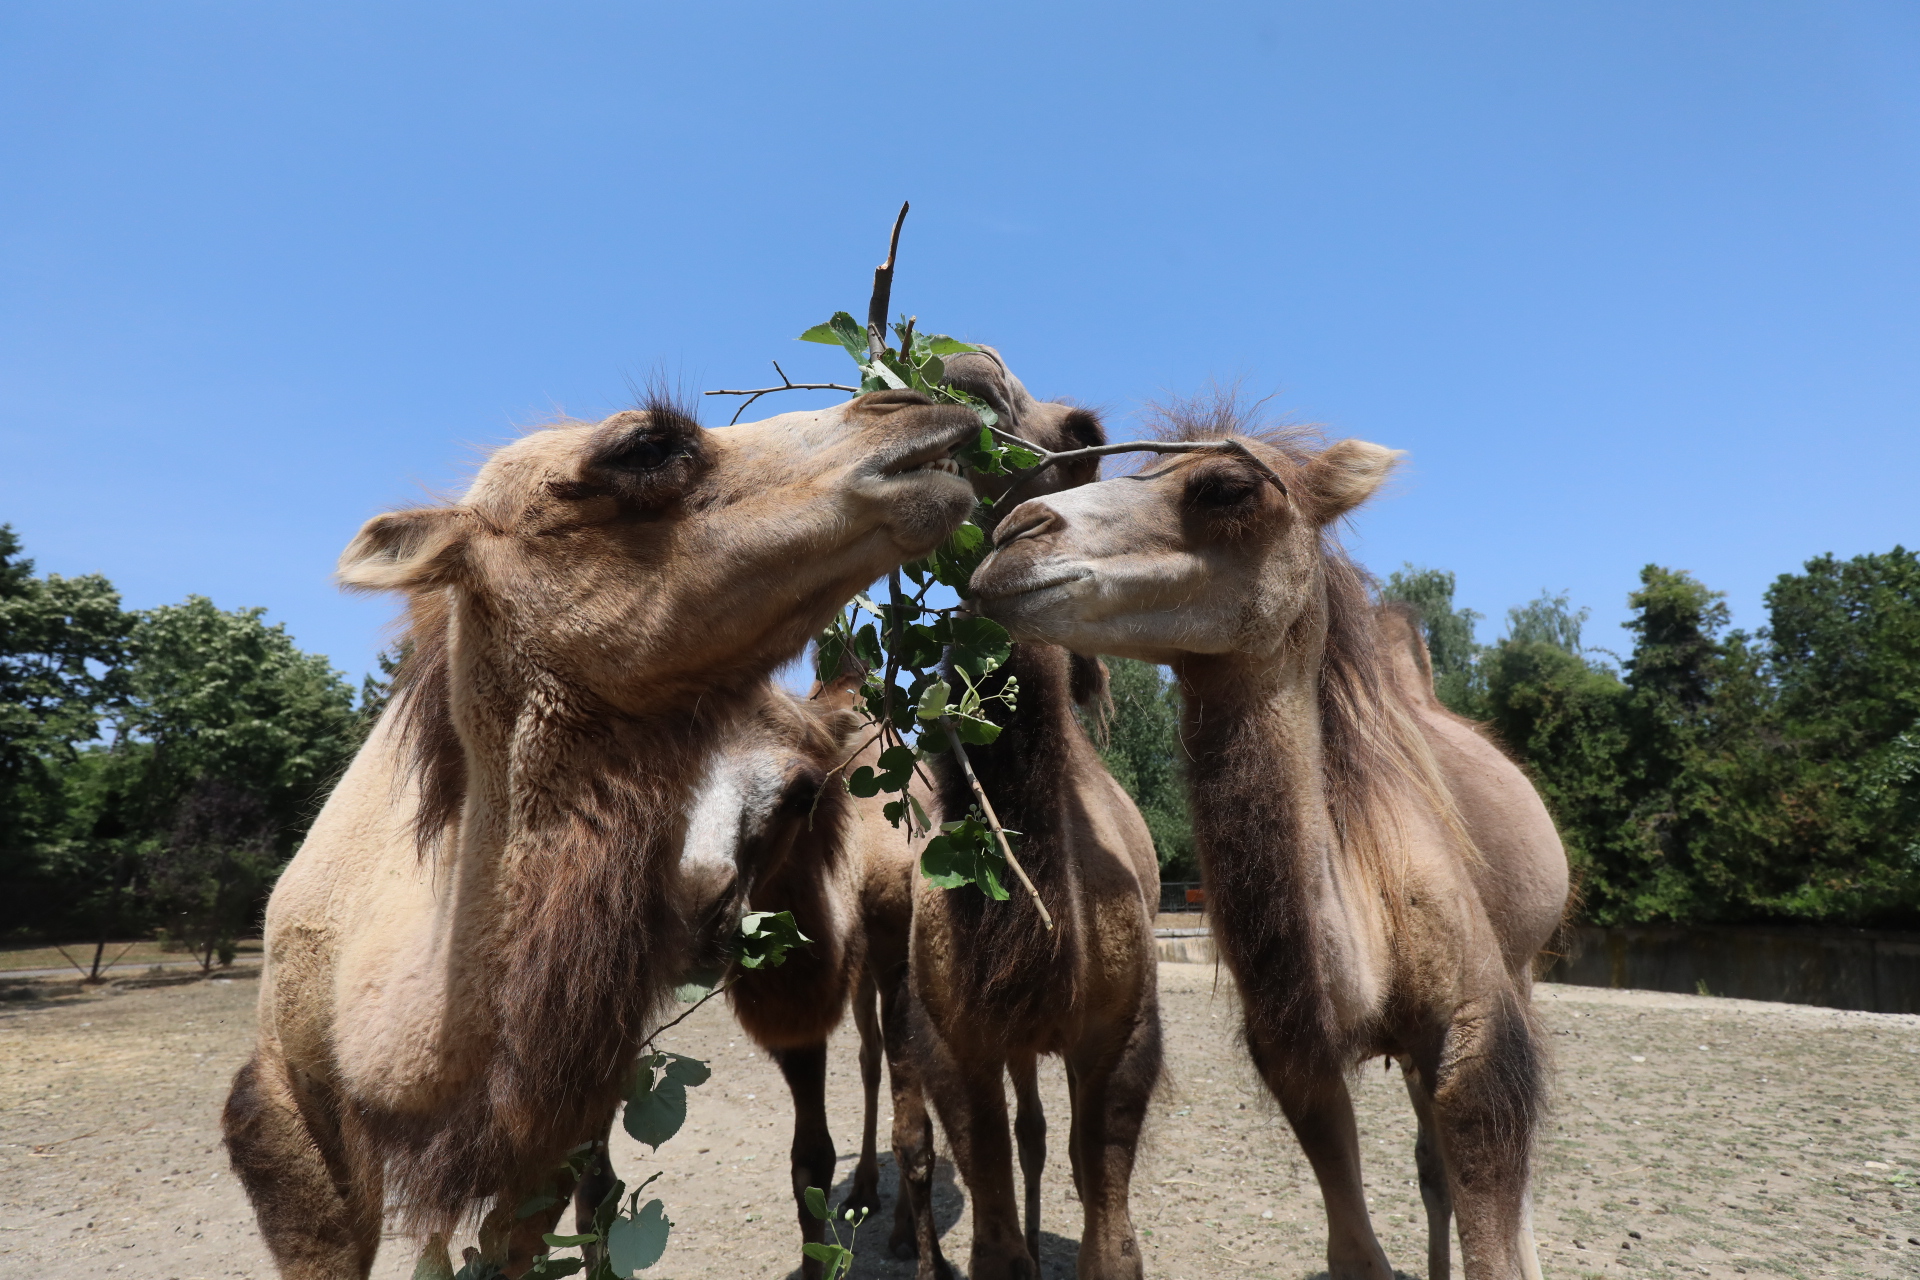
[1702,1135]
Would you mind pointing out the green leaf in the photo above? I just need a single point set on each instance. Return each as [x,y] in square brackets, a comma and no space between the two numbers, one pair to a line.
[817,1203]
[974,731]
[534,1204]
[547,1267]
[933,370]
[655,1108]
[864,782]
[763,940]
[964,853]
[844,331]
[821,1252]
[690,1072]
[692,992]
[636,1243]
[569,1242]
[866,646]
[980,646]
[941,345]
[933,703]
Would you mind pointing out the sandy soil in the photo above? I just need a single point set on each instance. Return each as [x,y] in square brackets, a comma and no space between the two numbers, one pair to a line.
[1694,1134]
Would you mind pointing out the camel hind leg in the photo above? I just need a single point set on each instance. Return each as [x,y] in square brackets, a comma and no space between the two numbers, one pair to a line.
[866,1174]
[1489,1088]
[318,1197]
[1030,1135]
[915,1233]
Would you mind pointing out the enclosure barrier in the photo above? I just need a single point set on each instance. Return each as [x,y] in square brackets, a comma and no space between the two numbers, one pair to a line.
[1864,969]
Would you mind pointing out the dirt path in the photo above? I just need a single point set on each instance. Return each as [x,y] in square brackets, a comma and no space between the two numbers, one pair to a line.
[1731,1136]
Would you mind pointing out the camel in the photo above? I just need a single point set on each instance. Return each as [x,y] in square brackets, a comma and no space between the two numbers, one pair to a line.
[467,953]
[993,988]
[770,829]
[1380,877]
[847,877]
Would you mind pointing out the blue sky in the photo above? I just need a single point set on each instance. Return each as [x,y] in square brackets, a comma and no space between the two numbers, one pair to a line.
[1631,282]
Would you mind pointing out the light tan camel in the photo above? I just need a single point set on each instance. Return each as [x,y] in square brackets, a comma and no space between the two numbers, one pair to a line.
[466,955]
[1379,876]
[994,989]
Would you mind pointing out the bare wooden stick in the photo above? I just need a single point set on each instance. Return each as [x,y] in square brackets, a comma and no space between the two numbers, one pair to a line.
[882,296]
[993,819]
[786,384]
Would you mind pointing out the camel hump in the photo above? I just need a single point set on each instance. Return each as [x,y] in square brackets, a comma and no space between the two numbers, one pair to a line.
[1404,647]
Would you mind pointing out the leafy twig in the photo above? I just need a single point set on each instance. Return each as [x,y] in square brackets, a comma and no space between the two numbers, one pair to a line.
[993,820]
[786,384]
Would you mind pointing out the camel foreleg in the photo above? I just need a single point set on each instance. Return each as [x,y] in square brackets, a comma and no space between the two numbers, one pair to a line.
[1030,1135]
[1489,1089]
[866,1174]
[969,1093]
[812,1153]
[595,1185]
[1321,1115]
[317,1196]
[1111,1091]
[1434,1191]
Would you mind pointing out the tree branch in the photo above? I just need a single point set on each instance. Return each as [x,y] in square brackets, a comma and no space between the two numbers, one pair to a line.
[659,1031]
[1049,458]
[993,819]
[786,384]
[883,290]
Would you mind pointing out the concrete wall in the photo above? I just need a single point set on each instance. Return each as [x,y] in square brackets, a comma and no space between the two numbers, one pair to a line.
[1838,968]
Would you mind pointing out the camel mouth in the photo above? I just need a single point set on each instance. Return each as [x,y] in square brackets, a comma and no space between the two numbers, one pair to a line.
[1021,590]
[935,455]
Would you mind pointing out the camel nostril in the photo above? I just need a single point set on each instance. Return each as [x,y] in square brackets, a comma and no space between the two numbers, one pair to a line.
[1027,520]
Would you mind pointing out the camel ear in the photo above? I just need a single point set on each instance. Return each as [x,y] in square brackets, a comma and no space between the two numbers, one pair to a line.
[1346,474]
[402,550]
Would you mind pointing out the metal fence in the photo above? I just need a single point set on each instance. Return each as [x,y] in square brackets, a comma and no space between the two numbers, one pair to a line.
[1182,895]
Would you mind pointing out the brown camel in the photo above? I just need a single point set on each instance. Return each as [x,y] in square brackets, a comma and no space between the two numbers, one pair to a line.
[1380,877]
[993,988]
[847,876]
[466,955]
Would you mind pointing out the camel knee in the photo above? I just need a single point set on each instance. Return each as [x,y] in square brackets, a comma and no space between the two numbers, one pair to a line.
[318,1213]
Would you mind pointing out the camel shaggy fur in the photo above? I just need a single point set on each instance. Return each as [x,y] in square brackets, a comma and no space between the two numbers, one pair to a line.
[993,988]
[1380,878]
[478,934]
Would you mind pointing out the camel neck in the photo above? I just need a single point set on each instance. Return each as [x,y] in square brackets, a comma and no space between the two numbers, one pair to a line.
[1275,892]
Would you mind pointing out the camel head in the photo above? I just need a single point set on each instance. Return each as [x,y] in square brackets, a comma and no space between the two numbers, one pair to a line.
[763,791]
[1056,427]
[1197,554]
[646,559]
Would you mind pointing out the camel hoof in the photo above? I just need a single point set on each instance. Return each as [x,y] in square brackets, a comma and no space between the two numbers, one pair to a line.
[905,1250]
[867,1198]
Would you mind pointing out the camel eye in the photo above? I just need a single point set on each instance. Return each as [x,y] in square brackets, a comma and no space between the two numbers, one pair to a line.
[1216,488]
[642,453]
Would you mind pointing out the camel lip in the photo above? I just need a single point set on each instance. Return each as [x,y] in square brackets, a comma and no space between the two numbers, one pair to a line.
[935,449]
[1023,588]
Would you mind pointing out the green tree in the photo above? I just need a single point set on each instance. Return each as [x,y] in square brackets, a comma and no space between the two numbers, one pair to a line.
[1142,749]
[62,641]
[1843,653]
